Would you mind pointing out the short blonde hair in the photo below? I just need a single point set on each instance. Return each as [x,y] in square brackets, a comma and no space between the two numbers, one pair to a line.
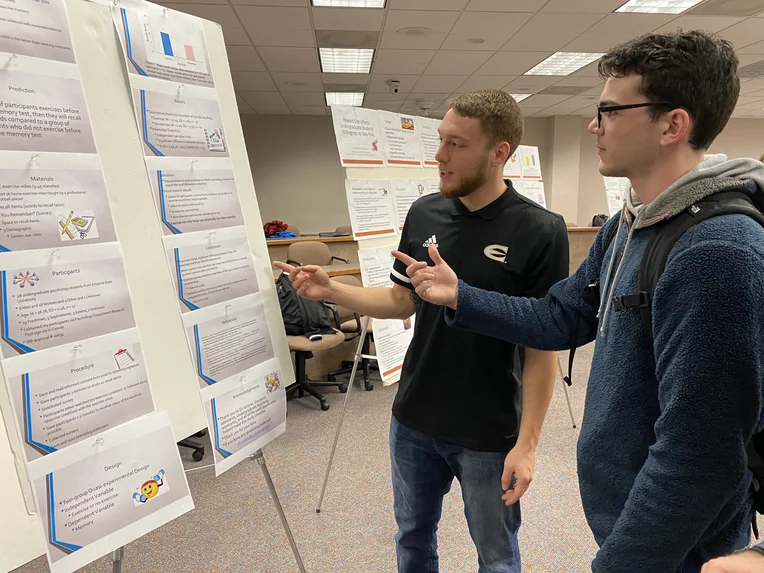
[500,116]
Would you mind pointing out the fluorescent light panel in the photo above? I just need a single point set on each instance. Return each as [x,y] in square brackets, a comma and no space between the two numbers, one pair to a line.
[344,98]
[346,60]
[520,97]
[658,6]
[350,3]
[563,63]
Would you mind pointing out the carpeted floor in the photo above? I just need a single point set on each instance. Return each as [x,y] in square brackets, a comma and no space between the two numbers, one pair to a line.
[235,528]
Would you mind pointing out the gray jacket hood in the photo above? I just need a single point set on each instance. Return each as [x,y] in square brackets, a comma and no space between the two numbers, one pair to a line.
[715,173]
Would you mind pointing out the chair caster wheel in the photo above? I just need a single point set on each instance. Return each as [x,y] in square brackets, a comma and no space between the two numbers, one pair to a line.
[369,387]
[198,455]
[343,388]
[324,406]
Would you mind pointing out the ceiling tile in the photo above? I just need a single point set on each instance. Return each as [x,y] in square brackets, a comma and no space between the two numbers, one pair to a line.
[595,43]
[261,98]
[545,100]
[531,84]
[172,4]
[477,83]
[438,84]
[744,33]
[300,99]
[272,109]
[746,59]
[377,99]
[522,42]
[757,48]
[392,106]
[449,62]
[345,78]
[435,21]
[244,59]
[309,109]
[272,26]
[298,3]
[283,59]
[629,25]
[579,81]
[551,23]
[758,103]
[378,85]
[589,71]
[709,23]
[402,61]
[437,99]
[395,41]
[494,27]
[255,81]
[583,6]
[243,106]
[564,108]
[505,5]
[233,33]
[752,85]
[745,100]
[294,82]
[529,111]
[347,19]
[511,63]
[427,4]
[595,91]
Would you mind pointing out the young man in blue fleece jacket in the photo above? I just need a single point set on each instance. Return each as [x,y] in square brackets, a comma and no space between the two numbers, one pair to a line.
[662,453]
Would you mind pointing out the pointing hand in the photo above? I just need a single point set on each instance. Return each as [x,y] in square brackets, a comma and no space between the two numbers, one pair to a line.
[438,284]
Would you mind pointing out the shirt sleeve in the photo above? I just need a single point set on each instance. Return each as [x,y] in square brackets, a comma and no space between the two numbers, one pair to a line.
[552,264]
[398,272]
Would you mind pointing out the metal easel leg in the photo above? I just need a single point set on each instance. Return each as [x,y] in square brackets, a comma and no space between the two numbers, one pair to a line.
[258,455]
[356,360]
[565,389]
[116,559]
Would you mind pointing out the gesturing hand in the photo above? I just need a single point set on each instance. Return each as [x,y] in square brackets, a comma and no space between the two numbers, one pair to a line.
[310,281]
[745,562]
[438,284]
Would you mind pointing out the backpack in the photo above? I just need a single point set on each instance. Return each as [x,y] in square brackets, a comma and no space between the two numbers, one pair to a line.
[599,220]
[302,316]
[662,239]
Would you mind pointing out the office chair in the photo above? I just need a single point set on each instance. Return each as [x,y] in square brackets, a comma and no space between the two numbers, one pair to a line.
[349,323]
[293,229]
[344,230]
[303,350]
[311,253]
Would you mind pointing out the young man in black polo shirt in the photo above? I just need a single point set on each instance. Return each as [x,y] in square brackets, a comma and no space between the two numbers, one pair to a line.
[457,411]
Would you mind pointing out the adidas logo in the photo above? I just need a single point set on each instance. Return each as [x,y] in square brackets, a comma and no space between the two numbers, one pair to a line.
[431,241]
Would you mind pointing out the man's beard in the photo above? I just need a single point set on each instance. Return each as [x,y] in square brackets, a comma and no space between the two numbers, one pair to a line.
[467,185]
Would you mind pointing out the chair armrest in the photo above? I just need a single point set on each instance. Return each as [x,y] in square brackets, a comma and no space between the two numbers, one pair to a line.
[333,309]
[339,259]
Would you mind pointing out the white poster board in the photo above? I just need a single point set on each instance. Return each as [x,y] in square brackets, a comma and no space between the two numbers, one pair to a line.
[530,162]
[616,189]
[512,167]
[533,190]
[429,139]
[371,207]
[358,136]
[400,134]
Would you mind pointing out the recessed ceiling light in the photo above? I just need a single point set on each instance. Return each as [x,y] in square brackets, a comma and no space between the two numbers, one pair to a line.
[346,60]
[344,98]
[475,41]
[350,3]
[414,31]
[658,6]
[563,63]
[520,97]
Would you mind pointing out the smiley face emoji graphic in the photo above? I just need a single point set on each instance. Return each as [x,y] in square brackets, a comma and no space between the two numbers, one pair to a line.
[150,488]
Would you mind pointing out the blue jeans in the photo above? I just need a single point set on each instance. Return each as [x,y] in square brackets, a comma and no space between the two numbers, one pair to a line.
[423,469]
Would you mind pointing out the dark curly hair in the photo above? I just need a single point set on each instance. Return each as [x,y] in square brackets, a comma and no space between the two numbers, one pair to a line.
[695,71]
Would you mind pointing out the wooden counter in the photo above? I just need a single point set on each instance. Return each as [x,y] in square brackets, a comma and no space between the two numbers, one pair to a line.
[332,270]
[273,242]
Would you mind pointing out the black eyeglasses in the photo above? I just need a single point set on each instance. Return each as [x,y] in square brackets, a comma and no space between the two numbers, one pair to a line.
[605,108]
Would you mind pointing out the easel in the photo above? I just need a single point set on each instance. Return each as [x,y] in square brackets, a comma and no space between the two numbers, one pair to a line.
[118,555]
[356,360]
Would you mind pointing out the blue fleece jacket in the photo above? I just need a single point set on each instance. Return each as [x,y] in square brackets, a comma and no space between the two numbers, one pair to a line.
[661,456]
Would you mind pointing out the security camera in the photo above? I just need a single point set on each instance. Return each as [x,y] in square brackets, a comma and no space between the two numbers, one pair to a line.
[394,85]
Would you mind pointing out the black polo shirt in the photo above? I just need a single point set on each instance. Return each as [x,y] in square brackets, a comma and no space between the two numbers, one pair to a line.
[456,386]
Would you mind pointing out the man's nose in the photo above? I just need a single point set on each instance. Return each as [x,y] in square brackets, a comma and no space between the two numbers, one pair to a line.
[441,156]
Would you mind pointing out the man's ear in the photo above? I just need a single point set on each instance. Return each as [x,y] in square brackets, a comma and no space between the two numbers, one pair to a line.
[677,125]
[502,153]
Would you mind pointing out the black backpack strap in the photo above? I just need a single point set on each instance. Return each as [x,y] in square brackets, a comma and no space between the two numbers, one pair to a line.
[591,291]
[663,238]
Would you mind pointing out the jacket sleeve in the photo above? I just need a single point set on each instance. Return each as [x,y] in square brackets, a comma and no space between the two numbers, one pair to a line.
[546,323]
[708,336]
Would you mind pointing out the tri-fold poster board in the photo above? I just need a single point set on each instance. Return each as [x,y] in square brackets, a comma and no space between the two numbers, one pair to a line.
[390,162]
[138,303]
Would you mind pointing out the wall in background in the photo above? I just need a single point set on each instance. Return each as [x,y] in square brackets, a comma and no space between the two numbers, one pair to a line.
[299,180]
[296,170]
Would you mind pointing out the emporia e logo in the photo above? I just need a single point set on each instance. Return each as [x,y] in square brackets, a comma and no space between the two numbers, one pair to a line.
[496,253]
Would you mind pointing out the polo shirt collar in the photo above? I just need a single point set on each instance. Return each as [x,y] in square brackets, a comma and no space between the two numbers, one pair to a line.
[490,211]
